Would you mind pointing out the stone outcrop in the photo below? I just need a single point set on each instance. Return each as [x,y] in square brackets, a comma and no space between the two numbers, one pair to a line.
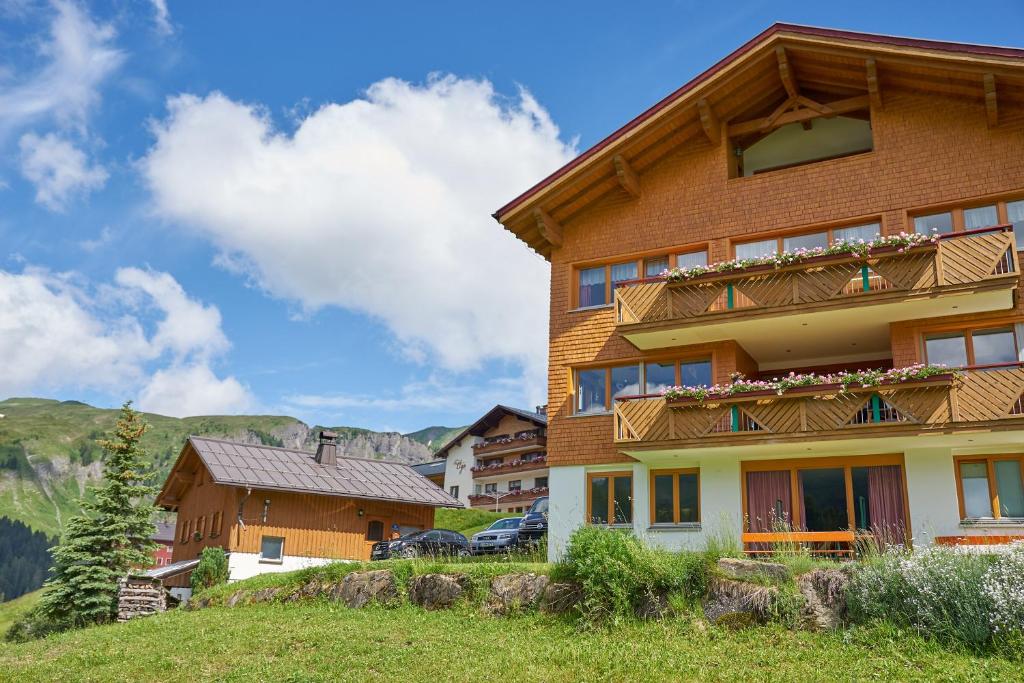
[654,606]
[560,598]
[738,603]
[752,570]
[140,597]
[515,593]
[359,589]
[824,592]
[439,591]
[236,598]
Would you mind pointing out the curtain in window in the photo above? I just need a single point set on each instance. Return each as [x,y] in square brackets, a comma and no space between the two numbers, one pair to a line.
[591,287]
[980,217]
[885,503]
[768,501]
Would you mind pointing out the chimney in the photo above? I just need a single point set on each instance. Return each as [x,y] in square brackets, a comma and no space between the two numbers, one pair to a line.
[542,410]
[327,451]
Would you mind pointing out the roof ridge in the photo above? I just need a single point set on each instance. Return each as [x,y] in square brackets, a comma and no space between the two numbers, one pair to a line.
[296,450]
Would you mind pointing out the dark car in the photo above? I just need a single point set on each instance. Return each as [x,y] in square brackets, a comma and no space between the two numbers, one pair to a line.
[535,522]
[417,543]
[501,536]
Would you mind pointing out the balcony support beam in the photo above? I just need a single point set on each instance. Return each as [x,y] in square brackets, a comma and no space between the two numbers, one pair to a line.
[786,73]
[548,227]
[709,122]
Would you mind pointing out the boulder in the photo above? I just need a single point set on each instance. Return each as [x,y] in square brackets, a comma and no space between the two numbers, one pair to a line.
[307,591]
[824,592]
[359,589]
[653,606]
[515,592]
[752,570]
[438,591]
[265,595]
[236,597]
[198,603]
[738,603]
[560,598]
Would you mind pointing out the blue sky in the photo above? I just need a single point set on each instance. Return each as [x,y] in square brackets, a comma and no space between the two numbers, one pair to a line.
[284,207]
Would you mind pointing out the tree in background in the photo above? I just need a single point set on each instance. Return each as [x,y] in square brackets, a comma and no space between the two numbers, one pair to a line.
[24,558]
[211,570]
[113,535]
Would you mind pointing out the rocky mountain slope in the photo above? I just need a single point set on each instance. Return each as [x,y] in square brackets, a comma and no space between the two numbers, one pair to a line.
[48,451]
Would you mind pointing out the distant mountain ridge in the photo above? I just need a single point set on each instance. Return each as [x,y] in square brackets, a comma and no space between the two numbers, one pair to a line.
[48,450]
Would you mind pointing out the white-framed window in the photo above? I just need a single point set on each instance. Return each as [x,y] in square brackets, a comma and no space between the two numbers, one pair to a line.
[272,549]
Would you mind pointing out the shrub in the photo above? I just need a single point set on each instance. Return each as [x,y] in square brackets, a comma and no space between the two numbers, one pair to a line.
[937,591]
[618,573]
[1004,587]
[211,570]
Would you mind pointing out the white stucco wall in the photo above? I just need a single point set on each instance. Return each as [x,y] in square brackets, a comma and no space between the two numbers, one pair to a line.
[461,475]
[244,565]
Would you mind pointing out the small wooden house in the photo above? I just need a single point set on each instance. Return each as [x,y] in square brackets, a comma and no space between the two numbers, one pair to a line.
[280,509]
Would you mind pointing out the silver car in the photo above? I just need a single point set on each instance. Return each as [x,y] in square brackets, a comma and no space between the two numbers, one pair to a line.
[501,536]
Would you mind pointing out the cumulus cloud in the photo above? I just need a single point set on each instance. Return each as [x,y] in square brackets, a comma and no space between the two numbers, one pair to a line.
[58,169]
[58,333]
[79,56]
[380,205]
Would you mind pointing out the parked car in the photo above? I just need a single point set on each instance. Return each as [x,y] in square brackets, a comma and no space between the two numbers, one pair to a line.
[501,536]
[417,543]
[535,523]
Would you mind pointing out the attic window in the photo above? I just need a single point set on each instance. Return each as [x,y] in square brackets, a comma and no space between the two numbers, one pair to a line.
[806,142]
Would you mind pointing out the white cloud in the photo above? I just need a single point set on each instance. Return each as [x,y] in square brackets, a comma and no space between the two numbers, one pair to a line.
[379,205]
[105,237]
[58,333]
[79,56]
[58,169]
[161,17]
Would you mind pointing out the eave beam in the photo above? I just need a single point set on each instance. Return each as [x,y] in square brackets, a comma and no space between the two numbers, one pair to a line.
[874,87]
[548,227]
[834,108]
[991,100]
[709,122]
[786,72]
[627,177]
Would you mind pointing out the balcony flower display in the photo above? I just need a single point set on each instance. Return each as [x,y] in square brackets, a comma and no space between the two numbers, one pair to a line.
[862,248]
[509,465]
[780,385]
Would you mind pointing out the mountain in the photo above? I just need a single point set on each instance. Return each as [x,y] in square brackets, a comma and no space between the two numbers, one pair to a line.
[435,437]
[48,450]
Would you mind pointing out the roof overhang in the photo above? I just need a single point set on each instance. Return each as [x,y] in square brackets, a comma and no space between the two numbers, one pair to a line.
[777,62]
[490,420]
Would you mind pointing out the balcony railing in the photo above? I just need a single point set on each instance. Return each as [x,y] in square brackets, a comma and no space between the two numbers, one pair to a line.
[986,396]
[960,261]
[481,499]
[509,442]
[519,465]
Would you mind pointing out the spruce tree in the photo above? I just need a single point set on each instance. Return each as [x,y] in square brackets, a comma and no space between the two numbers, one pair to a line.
[112,535]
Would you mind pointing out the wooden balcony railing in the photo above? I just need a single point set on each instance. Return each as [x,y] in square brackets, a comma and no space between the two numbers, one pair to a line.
[987,395]
[481,499]
[959,261]
[511,442]
[510,467]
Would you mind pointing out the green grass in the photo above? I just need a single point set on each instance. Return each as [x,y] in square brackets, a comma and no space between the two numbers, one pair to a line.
[324,642]
[467,521]
[12,610]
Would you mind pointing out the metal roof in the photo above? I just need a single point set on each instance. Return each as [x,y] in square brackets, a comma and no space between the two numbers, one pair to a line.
[286,469]
[493,416]
[164,532]
[430,469]
[169,570]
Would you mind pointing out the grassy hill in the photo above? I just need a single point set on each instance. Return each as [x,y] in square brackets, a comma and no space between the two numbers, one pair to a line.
[435,437]
[48,450]
[12,610]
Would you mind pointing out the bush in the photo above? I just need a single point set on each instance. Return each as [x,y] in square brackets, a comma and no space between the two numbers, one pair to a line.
[618,573]
[211,570]
[937,592]
[1004,586]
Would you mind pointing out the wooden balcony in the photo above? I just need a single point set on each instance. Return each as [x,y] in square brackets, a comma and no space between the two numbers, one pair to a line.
[510,467]
[991,398]
[966,272]
[510,443]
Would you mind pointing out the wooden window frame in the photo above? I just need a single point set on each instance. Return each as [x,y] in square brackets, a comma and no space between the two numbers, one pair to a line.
[216,524]
[641,364]
[611,476]
[993,489]
[200,530]
[957,210]
[674,473]
[186,531]
[968,333]
[828,228]
[846,463]
[638,259]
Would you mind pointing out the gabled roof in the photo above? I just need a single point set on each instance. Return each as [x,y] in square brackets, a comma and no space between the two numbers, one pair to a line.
[430,469]
[740,87]
[491,418]
[164,532]
[287,469]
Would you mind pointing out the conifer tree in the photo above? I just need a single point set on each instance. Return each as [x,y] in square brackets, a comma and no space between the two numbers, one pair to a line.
[112,535]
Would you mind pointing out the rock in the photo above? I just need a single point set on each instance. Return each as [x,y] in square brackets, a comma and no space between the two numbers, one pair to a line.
[746,570]
[199,603]
[515,592]
[265,595]
[824,592]
[653,606]
[560,598]
[438,591]
[236,597]
[359,589]
[738,603]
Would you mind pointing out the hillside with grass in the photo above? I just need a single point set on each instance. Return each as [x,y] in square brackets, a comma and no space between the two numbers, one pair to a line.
[49,454]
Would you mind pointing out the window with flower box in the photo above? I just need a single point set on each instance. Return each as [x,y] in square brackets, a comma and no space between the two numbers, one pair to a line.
[972,217]
[817,238]
[595,285]
[597,388]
